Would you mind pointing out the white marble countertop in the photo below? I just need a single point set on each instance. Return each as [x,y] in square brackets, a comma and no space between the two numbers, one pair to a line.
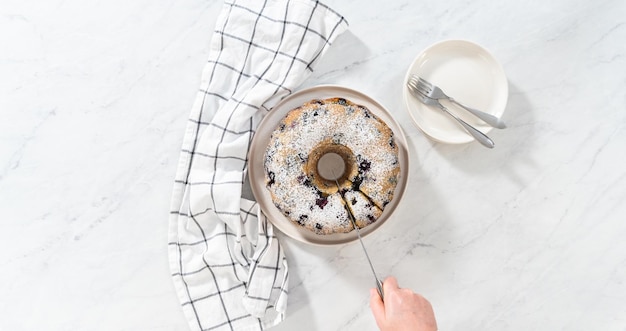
[94,98]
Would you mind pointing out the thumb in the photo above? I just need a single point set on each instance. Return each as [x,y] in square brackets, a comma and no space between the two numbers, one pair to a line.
[377,307]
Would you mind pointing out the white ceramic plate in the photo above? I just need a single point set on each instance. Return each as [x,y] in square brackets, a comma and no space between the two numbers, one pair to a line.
[468,73]
[262,138]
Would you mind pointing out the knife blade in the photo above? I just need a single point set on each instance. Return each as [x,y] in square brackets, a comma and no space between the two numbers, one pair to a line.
[379,284]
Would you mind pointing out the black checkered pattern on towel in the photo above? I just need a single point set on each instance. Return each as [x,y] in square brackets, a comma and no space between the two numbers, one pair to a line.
[228,267]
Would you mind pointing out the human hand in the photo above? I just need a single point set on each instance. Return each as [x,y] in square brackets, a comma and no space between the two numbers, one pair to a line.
[402,310]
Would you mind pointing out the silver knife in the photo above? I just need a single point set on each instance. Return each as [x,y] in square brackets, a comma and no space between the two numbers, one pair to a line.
[379,284]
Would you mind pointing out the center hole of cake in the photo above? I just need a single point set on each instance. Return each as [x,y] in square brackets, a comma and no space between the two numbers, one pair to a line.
[331,166]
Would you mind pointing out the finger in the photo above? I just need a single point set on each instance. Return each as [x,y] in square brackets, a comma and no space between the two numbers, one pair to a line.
[377,307]
[390,284]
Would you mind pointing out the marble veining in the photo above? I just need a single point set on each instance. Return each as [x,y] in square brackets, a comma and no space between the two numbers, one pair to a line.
[94,98]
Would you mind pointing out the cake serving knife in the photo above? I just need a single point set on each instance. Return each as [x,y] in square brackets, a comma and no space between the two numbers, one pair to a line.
[379,284]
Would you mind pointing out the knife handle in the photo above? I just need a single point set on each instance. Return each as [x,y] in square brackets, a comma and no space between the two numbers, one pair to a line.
[487,118]
[482,138]
[379,288]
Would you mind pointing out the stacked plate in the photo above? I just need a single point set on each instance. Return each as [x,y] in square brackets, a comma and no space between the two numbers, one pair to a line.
[465,71]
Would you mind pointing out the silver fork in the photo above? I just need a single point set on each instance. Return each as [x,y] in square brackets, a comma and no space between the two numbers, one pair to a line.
[434,92]
[481,137]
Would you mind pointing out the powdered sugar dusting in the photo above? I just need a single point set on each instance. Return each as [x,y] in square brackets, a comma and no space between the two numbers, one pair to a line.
[343,123]
[363,210]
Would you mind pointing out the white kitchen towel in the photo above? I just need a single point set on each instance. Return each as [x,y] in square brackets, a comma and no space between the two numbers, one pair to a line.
[227,265]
